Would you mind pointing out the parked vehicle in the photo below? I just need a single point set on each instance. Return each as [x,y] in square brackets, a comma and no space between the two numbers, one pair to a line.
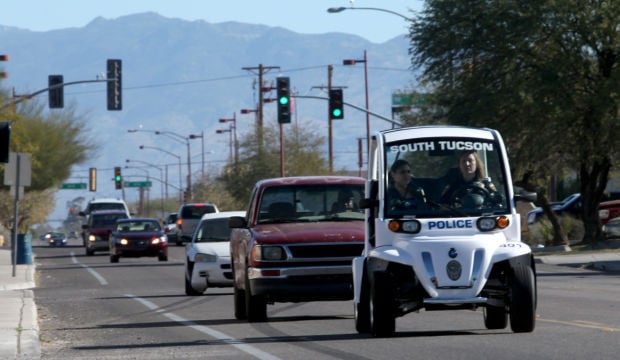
[98,228]
[571,205]
[296,242]
[463,252]
[608,210]
[207,263]
[56,238]
[611,229]
[138,237]
[188,217]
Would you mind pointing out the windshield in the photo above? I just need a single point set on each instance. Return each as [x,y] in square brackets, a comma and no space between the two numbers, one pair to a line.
[213,230]
[305,203]
[442,177]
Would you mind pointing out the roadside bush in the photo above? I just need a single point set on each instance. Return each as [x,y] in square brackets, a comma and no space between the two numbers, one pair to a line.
[542,231]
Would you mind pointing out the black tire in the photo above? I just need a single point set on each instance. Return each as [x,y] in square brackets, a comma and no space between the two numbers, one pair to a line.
[362,309]
[522,300]
[89,252]
[114,258]
[189,290]
[255,305]
[239,299]
[495,317]
[382,318]
[162,257]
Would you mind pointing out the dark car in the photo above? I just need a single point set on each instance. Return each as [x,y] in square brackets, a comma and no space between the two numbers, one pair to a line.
[98,228]
[56,239]
[138,237]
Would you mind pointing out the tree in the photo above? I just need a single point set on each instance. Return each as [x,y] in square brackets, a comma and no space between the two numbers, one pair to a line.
[56,141]
[544,73]
[302,157]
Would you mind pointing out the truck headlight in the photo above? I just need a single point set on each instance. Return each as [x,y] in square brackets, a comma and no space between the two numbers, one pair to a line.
[270,252]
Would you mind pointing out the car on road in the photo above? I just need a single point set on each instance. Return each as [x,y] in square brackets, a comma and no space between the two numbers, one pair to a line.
[207,263]
[98,228]
[611,230]
[56,238]
[188,217]
[138,237]
[296,242]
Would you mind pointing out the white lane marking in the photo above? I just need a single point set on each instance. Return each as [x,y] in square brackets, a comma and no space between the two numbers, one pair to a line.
[248,349]
[97,276]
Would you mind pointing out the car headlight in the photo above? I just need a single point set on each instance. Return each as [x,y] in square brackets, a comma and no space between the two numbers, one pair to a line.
[207,258]
[92,238]
[158,240]
[270,252]
[124,241]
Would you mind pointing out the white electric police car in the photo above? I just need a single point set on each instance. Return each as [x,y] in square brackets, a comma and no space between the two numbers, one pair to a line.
[450,240]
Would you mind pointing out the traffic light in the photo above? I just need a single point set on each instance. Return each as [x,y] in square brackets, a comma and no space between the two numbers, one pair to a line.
[5,137]
[115,87]
[118,178]
[336,108]
[56,93]
[92,179]
[4,74]
[284,100]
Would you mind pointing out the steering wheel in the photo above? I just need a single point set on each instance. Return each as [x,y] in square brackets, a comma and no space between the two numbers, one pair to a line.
[470,196]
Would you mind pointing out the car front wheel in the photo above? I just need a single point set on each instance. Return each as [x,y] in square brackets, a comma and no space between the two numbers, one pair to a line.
[523,299]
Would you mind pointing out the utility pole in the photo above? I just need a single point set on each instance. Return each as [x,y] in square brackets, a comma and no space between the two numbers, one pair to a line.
[260,71]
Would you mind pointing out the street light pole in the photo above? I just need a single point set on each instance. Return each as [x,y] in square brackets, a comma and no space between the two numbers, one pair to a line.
[161,176]
[180,177]
[365,61]
[202,140]
[184,139]
[234,129]
[333,10]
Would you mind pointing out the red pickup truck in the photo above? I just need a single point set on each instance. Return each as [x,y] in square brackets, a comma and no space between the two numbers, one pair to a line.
[296,242]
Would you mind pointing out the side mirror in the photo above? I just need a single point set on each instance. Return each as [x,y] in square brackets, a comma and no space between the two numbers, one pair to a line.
[368,203]
[523,195]
[237,222]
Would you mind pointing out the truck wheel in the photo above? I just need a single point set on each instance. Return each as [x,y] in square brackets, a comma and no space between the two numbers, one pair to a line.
[89,252]
[523,299]
[189,290]
[495,317]
[114,258]
[239,298]
[255,305]
[362,309]
[383,321]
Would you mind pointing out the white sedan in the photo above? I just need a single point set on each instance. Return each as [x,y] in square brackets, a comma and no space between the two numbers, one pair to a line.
[208,254]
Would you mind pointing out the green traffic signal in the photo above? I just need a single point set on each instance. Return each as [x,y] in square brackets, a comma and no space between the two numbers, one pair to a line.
[117,178]
[336,113]
[283,100]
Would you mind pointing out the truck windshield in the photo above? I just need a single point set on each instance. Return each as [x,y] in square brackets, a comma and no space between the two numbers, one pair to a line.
[304,203]
[440,177]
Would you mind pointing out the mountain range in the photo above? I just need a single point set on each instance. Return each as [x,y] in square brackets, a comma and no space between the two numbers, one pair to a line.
[182,76]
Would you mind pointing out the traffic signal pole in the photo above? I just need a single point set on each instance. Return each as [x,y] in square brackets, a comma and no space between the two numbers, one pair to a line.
[21,98]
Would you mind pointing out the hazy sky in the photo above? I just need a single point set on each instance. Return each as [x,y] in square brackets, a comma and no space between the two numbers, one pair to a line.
[308,16]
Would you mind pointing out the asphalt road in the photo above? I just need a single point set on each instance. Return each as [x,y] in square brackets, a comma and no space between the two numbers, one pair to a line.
[136,309]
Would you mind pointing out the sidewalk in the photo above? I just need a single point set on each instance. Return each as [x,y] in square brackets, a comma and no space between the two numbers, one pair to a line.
[19,327]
